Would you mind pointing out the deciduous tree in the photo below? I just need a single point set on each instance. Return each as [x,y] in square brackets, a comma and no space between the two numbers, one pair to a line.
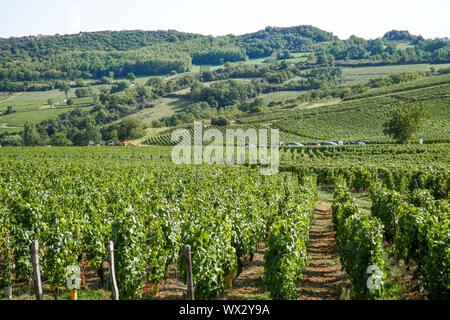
[405,121]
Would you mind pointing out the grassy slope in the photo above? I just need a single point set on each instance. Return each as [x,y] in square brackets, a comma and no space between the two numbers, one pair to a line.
[278,96]
[36,99]
[163,107]
[32,106]
[18,119]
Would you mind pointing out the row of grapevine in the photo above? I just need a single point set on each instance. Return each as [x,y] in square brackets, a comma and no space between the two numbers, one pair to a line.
[281,115]
[419,226]
[370,150]
[286,258]
[400,178]
[421,95]
[74,205]
[365,121]
[166,138]
[360,241]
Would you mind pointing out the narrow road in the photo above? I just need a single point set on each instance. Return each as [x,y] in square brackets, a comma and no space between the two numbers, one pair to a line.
[323,279]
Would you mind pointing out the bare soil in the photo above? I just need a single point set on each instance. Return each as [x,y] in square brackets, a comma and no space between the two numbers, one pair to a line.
[324,279]
[248,285]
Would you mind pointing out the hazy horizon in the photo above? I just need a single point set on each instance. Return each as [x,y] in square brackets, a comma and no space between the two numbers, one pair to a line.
[366,19]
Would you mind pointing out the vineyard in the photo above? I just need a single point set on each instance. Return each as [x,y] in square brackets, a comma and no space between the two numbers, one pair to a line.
[75,200]
[188,135]
[401,168]
[414,229]
[349,126]
[415,84]
[348,121]
[224,172]
[74,205]
[358,119]
[363,120]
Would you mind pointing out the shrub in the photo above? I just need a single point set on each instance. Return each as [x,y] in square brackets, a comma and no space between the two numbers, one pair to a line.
[220,121]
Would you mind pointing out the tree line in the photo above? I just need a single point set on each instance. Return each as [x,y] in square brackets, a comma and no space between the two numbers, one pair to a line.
[32,63]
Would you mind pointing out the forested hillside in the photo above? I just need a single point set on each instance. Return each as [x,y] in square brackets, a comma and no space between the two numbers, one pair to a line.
[167,79]
[99,54]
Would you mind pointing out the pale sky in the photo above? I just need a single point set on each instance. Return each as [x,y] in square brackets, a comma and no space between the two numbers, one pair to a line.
[365,18]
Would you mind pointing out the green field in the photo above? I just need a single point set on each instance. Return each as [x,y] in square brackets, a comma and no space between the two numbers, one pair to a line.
[364,74]
[18,119]
[33,106]
[297,57]
[278,96]
[403,44]
[142,80]
[163,107]
[33,100]
[4,96]
[37,99]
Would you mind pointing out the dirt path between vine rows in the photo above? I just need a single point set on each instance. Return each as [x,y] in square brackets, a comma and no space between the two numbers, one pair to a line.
[323,279]
[248,285]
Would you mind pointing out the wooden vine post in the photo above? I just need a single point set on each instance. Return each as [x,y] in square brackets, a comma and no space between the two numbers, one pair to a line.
[112,273]
[36,269]
[190,280]
[8,289]
[74,294]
